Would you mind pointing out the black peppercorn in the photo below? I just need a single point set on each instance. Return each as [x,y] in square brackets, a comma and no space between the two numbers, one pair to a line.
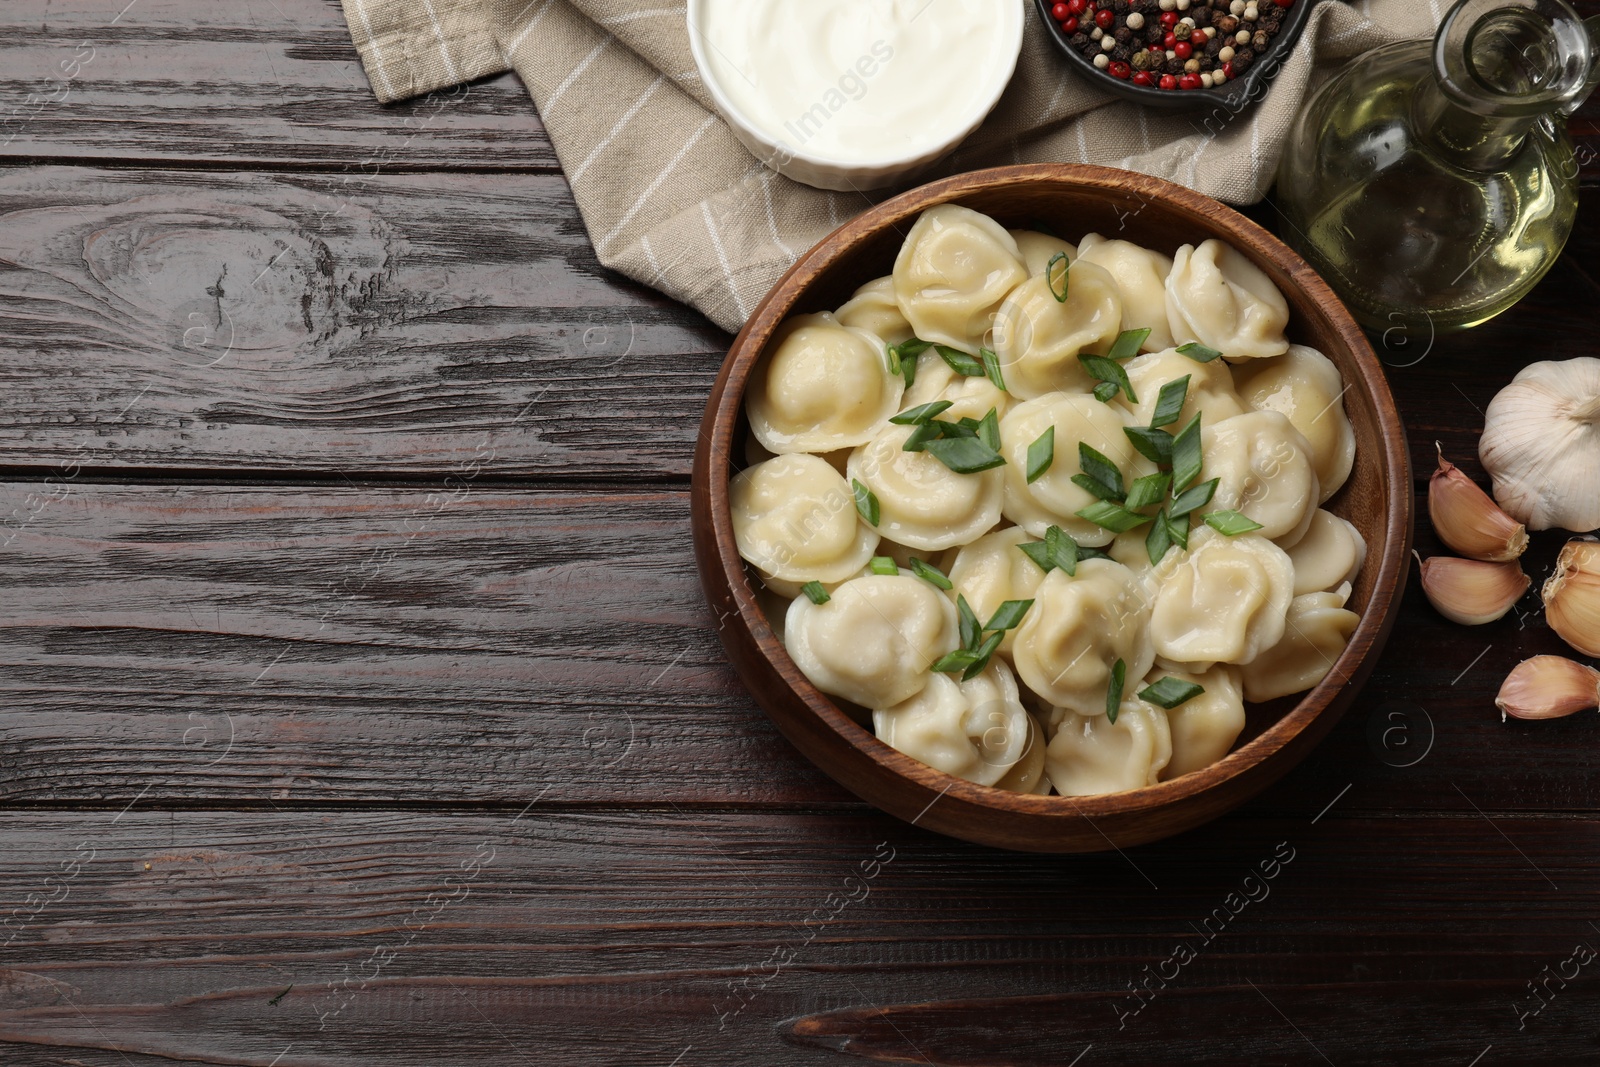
[1241,60]
[1260,41]
[1079,41]
[1123,35]
[1173,66]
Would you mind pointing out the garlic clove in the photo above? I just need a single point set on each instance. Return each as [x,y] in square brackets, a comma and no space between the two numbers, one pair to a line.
[1572,597]
[1541,445]
[1470,591]
[1467,520]
[1548,687]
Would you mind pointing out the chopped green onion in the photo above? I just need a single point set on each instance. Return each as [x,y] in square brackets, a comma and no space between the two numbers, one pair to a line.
[960,362]
[1148,491]
[991,367]
[1111,373]
[921,413]
[1008,616]
[1158,542]
[982,655]
[911,348]
[1100,469]
[1154,445]
[1186,455]
[1119,679]
[1193,498]
[971,629]
[1198,352]
[930,574]
[894,358]
[989,430]
[1056,550]
[1128,343]
[1170,404]
[1178,530]
[1041,454]
[1231,523]
[1113,517]
[964,455]
[908,367]
[883,565]
[1169,692]
[1094,553]
[815,593]
[959,660]
[866,503]
[1049,280]
[928,431]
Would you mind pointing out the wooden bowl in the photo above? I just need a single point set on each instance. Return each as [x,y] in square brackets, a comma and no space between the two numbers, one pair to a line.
[1070,200]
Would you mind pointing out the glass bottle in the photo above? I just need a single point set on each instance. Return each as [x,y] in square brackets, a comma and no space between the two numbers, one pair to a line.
[1434,184]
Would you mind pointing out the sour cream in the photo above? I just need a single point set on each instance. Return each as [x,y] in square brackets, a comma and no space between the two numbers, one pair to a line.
[858,81]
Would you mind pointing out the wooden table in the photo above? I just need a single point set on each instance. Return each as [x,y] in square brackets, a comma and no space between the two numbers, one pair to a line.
[361,707]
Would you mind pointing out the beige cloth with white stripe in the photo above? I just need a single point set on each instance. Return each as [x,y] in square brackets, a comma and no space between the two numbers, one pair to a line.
[672,199]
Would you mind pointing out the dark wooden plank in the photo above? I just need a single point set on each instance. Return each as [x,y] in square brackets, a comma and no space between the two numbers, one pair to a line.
[654,937]
[402,324]
[474,645]
[236,81]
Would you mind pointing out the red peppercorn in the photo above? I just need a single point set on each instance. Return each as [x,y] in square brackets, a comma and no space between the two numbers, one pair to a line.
[1119,69]
[1285,3]
[1069,26]
[1078,7]
[1168,40]
[1105,18]
[1189,81]
[1227,68]
[1183,49]
[1142,77]
[1168,82]
[1060,11]
[1169,19]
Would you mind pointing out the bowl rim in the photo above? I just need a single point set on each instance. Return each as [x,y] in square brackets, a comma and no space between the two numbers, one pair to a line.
[1010,55]
[722,416]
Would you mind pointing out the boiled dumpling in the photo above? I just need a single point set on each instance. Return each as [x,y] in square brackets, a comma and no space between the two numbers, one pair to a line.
[1225,601]
[975,729]
[1330,554]
[1077,629]
[1091,755]
[1038,249]
[794,519]
[922,503]
[1028,775]
[970,397]
[1141,277]
[993,570]
[954,269]
[1265,471]
[1053,499]
[1304,385]
[1216,296]
[1318,629]
[823,386]
[875,309]
[875,639]
[1205,727]
[1038,338]
[1210,388]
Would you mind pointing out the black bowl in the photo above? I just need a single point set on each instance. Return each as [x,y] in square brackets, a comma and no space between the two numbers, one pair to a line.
[1233,98]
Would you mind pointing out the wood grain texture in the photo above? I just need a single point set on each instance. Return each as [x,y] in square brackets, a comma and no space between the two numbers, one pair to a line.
[241,82]
[422,323]
[577,936]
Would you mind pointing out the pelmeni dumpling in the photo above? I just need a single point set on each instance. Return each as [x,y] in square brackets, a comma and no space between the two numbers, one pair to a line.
[1318,629]
[1225,601]
[975,730]
[1210,388]
[1077,629]
[970,396]
[1038,249]
[1218,297]
[1038,338]
[874,308]
[954,269]
[1053,499]
[1091,755]
[1304,385]
[795,519]
[1205,727]
[993,570]
[1141,277]
[1265,471]
[821,387]
[874,640]
[1330,554]
[922,503]
[1028,775]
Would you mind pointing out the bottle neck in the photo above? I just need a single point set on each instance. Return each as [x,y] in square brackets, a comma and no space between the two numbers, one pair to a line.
[1466,139]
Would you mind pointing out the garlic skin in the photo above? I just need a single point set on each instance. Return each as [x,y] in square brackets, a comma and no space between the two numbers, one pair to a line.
[1470,591]
[1572,596]
[1467,520]
[1541,445]
[1548,687]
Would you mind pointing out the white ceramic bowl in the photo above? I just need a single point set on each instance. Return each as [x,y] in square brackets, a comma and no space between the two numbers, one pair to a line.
[855,175]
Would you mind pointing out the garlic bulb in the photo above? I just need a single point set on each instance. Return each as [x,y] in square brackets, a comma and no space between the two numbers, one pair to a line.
[1548,687]
[1468,521]
[1541,445]
[1572,597]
